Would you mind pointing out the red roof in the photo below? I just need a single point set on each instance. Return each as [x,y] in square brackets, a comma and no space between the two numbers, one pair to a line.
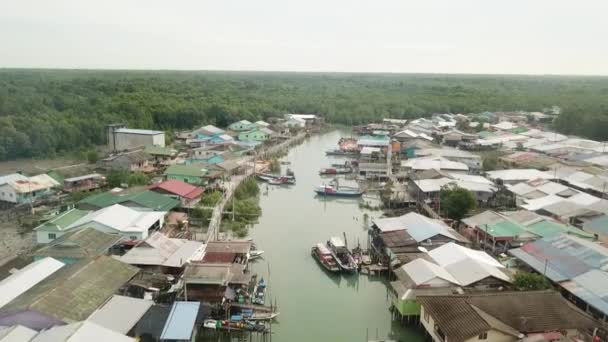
[179,188]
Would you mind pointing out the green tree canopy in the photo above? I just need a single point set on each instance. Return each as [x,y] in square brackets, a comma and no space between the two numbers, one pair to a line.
[456,202]
[531,281]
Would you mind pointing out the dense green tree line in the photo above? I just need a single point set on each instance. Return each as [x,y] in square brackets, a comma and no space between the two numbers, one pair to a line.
[44,112]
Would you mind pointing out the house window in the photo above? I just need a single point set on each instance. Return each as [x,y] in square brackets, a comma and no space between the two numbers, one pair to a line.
[133,237]
[483,336]
[52,236]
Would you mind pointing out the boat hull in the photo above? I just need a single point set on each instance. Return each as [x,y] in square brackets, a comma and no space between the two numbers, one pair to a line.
[338,193]
[330,268]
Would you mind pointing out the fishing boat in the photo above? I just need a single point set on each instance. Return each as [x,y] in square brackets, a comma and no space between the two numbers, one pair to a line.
[254,254]
[252,315]
[323,255]
[275,181]
[335,189]
[341,254]
[234,325]
[336,171]
[338,152]
[267,177]
[259,293]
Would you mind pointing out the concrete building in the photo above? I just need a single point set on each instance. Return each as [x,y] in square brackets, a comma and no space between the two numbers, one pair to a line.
[121,138]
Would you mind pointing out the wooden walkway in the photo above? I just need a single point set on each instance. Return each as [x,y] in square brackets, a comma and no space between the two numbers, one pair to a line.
[216,217]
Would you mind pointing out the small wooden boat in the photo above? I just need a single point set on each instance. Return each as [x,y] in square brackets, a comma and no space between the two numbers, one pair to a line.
[341,254]
[267,177]
[324,257]
[275,181]
[254,254]
[263,316]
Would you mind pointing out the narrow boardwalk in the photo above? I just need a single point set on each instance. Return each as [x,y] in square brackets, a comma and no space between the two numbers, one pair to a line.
[216,217]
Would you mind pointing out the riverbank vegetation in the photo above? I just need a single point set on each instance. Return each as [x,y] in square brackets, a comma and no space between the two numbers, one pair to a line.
[48,112]
[245,210]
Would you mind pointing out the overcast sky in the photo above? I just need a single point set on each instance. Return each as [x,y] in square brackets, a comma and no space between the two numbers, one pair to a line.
[440,36]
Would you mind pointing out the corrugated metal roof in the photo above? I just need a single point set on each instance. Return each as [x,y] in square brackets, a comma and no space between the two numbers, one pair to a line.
[63,220]
[592,287]
[121,218]
[180,323]
[26,278]
[75,291]
[437,163]
[11,178]
[421,271]
[17,333]
[120,313]
[83,243]
[418,226]
[162,251]
[81,332]
[519,174]
[563,257]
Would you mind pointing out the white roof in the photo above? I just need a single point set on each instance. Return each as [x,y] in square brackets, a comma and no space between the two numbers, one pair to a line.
[244,122]
[262,123]
[505,125]
[12,177]
[301,116]
[369,150]
[467,265]
[434,185]
[24,279]
[519,174]
[437,163]
[138,131]
[120,314]
[16,333]
[547,187]
[446,152]
[419,227]
[539,203]
[161,250]
[471,178]
[121,218]
[35,183]
[80,332]
[421,271]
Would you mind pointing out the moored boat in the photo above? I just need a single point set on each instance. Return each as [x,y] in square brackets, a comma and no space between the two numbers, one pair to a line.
[338,152]
[259,293]
[336,171]
[335,190]
[341,254]
[254,254]
[268,177]
[323,255]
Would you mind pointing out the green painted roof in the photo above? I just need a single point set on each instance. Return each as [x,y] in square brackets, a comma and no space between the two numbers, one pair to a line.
[102,200]
[81,243]
[160,151]
[518,130]
[152,200]
[485,134]
[61,221]
[56,176]
[504,229]
[146,198]
[548,228]
[186,170]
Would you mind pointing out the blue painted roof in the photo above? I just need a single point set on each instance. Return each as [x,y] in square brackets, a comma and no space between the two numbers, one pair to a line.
[181,320]
[592,287]
[598,225]
[563,257]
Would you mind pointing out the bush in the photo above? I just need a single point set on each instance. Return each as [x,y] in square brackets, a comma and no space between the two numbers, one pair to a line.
[531,281]
[138,178]
[247,189]
[92,157]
